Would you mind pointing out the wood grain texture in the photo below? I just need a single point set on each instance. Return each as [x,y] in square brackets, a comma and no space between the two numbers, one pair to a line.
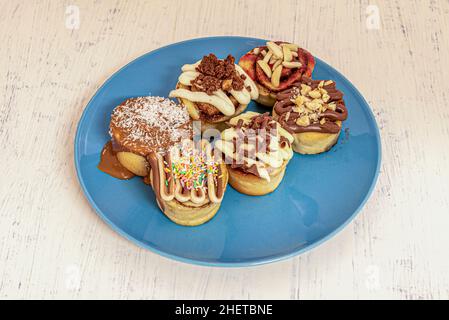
[52,244]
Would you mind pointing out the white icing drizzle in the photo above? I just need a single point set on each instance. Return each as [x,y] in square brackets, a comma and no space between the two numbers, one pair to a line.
[248,83]
[218,99]
[215,100]
[266,160]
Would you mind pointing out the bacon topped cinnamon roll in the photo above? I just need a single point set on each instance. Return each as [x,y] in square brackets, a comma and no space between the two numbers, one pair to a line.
[312,111]
[214,90]
[256,150]
[275,67]
[189,183]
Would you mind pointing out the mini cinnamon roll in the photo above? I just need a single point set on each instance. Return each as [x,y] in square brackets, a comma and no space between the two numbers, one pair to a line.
[256,150]
[189,184]
[214,90]
[138,127]
[313,112]
[275,67]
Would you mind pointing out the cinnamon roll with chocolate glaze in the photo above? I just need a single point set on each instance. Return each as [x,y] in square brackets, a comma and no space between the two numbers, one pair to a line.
[275,67]
[256,150]
[188,182]
[152,137]
[214,91]
[140,126]
[312,111]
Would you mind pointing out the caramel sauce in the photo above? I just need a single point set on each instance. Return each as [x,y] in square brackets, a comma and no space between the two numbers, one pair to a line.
[109,164]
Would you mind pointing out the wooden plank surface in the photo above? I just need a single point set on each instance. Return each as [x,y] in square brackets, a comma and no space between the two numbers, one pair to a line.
[52,245]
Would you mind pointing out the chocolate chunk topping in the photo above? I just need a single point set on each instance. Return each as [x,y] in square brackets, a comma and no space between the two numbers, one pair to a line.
[216,74]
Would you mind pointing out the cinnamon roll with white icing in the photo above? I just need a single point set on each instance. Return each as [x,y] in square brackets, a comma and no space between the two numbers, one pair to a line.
[256,149]
[214,90]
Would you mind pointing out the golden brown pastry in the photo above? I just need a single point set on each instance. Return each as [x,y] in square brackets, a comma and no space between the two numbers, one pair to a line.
[189,184]
[256,149]
[275,67]
[312,111]
[214,91]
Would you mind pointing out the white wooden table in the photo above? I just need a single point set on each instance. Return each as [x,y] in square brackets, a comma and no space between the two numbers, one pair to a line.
[53,245]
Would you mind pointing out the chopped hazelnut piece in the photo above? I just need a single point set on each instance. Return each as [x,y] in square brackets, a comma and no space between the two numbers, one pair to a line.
[299,109]
[305,89]
[303,121]
[315,94]
[313,105]
[313,117]
[332,106]
[299,100]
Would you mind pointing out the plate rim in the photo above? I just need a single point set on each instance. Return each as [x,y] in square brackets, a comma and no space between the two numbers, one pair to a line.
[253,262]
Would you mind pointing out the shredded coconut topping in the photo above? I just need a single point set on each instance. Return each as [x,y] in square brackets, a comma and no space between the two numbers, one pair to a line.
[152,123]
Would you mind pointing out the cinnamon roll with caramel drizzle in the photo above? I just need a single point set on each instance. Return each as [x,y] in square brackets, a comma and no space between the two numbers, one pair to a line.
[214,90]
[256,150]
[189,183]
[312,111]
[275,67]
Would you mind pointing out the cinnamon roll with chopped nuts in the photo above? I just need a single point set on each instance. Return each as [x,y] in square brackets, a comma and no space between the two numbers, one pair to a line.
[312,111]
[256,150]
[275,67]
[214,90]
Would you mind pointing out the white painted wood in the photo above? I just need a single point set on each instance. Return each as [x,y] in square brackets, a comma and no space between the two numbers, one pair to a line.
[52,245]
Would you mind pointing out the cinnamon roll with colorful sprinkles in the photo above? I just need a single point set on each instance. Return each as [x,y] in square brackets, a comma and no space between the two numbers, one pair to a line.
[189,183]
[256,150]
[214,90]
[313,112]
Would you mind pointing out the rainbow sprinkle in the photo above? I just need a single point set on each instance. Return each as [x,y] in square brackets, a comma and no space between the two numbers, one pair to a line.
[192,168]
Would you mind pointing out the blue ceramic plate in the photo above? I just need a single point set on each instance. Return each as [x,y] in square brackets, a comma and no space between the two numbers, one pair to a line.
[319,195]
